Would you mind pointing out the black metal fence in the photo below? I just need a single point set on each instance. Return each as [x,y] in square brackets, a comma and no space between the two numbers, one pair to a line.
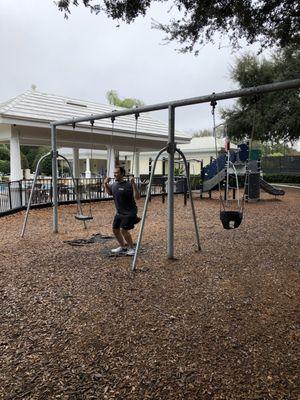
[14,196]
[281,165]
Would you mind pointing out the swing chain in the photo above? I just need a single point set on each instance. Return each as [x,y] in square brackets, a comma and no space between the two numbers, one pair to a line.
[112,118]
[92,122]
[136,115]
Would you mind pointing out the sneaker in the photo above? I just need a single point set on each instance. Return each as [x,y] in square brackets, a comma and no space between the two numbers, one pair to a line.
[130,252]
[119,250]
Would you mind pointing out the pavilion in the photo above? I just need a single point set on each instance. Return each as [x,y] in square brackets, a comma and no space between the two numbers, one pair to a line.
[25,120]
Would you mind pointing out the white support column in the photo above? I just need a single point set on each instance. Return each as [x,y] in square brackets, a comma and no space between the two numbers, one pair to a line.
[76,168]
[110,161]
[136,164]
[88,168]
[15,157]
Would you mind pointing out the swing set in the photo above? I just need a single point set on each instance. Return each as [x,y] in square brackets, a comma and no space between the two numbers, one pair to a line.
[80,215]
[230,219]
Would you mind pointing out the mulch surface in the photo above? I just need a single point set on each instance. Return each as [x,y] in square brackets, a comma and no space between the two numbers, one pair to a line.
[219,324]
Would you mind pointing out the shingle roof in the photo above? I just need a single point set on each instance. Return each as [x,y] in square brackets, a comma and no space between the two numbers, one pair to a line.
[43,107]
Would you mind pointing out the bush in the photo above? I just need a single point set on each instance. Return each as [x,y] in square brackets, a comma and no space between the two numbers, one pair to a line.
[282,178]
[24,161]
[4,153]
[195,182]
[46,165]
[4,166]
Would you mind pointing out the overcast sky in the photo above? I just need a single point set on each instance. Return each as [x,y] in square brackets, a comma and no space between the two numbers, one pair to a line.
[87,55]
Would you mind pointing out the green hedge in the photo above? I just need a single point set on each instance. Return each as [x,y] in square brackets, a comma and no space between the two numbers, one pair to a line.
[282,178]
[195,182]
[4,166]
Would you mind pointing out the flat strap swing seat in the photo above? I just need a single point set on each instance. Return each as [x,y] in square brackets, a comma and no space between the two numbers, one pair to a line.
[82,217]
[231,219]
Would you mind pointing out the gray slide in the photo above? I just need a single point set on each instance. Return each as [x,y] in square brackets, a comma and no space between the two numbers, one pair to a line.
[270,189]
[211,183]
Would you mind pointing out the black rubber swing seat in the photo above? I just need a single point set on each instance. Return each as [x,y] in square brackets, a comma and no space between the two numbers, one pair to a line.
[82,217]
[231,219]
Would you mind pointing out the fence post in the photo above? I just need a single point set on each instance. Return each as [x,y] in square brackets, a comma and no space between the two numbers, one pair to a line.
[100,186]
[20,190]
[51,190]
[9,196]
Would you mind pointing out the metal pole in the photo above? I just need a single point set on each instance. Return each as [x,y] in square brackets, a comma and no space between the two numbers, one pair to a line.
[170,198]
[31,192]
[133,266]
[54,179]
[191,198]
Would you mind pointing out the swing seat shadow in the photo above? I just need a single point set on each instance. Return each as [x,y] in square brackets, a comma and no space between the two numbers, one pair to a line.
[97,238]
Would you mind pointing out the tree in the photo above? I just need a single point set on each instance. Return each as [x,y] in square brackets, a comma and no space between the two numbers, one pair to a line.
[4,152]
[5,159]
[46,165]
[31,154]
[114,99]
[270,23]
[275,115]
[24,161]
[4,167]
[277,149]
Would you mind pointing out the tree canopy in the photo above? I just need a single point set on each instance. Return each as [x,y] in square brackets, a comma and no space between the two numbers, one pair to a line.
[46,165]
[271,23]
[114,99]
[5,159]
[275,115]
[4,152]
[31,155]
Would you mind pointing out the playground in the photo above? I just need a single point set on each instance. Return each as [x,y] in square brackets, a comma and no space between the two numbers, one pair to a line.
[216,324]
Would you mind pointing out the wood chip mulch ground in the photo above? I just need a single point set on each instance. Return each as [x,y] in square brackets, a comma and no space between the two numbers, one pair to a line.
[220,324]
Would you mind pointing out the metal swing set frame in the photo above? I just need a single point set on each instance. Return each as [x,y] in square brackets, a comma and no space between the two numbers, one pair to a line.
[171,148]
[80,216]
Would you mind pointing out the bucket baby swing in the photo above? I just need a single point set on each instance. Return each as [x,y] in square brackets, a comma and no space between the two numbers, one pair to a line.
[231,210]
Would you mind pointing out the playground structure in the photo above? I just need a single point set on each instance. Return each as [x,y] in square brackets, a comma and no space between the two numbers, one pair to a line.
[215,173]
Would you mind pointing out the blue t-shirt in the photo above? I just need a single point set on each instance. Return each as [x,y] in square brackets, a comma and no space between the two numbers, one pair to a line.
[124,198]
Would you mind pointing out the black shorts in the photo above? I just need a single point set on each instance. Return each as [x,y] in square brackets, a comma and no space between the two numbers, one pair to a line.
[126,222]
